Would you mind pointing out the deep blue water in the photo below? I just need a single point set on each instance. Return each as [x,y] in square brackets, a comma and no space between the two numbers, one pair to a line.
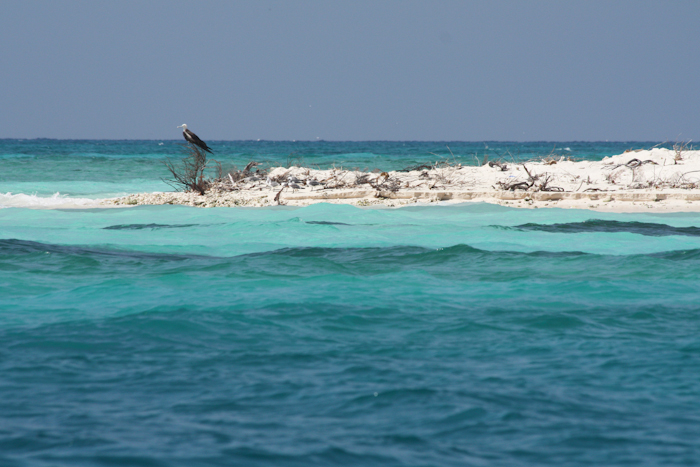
[465,334]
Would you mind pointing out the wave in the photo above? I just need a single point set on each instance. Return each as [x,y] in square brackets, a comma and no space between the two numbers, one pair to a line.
[610,226]
[148,226]
[455,262]
[57,200]
[399,253]
[19,248]
[327,223]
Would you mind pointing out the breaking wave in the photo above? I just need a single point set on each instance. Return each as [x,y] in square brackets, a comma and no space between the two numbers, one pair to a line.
[57,200]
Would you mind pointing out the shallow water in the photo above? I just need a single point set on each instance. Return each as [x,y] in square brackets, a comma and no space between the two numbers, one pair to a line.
[101,169]
[333,335]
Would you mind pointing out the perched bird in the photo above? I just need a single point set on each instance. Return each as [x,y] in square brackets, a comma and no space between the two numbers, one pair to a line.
[192,138]
[311,182]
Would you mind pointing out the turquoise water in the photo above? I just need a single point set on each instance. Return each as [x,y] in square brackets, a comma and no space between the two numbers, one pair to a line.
[101,169]
[333,335]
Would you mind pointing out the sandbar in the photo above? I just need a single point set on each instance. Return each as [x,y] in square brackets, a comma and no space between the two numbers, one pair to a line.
[654,180]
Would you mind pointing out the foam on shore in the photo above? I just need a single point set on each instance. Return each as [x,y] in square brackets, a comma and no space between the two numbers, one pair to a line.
[56,201]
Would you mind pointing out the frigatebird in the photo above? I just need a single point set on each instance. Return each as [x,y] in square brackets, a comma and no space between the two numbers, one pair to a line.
[193,139]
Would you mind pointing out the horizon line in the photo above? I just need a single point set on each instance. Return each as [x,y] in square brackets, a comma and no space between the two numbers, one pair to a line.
[348,141]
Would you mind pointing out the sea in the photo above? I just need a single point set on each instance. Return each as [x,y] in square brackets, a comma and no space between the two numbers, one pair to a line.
[333,335]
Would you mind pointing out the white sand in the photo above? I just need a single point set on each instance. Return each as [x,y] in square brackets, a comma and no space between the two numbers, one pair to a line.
[665,181]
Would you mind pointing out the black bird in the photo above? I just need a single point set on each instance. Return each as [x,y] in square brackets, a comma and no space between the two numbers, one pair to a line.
[192,138]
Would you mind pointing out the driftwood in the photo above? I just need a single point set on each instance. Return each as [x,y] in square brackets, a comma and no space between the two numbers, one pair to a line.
[532,182]
[416,168]
[633,164]
[277,196]
[384,182]
[514,186]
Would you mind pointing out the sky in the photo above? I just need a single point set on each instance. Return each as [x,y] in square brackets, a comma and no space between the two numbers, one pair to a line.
[464,70]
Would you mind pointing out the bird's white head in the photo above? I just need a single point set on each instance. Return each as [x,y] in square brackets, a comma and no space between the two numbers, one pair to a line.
[183,126]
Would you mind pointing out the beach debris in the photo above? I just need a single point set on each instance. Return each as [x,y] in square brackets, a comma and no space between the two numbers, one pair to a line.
[440,180]
[633,164]
[416,168]
[679,149]
[189,174]
[512,186]
[534,182]
[502,166]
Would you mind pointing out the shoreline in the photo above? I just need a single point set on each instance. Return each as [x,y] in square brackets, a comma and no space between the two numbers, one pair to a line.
[656,180]
[610,201]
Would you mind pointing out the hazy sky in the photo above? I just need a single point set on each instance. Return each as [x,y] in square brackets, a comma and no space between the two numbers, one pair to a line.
[351,70]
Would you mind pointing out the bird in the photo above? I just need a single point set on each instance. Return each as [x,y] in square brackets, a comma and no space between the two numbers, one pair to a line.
[193,139]
[312,183]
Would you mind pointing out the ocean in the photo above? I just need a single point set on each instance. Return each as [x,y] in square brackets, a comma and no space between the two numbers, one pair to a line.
[430,335]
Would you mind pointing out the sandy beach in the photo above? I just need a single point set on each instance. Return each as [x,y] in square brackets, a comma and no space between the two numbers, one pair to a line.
[655,180]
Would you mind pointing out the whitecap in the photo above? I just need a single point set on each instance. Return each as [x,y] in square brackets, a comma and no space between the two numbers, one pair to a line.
[57,200]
